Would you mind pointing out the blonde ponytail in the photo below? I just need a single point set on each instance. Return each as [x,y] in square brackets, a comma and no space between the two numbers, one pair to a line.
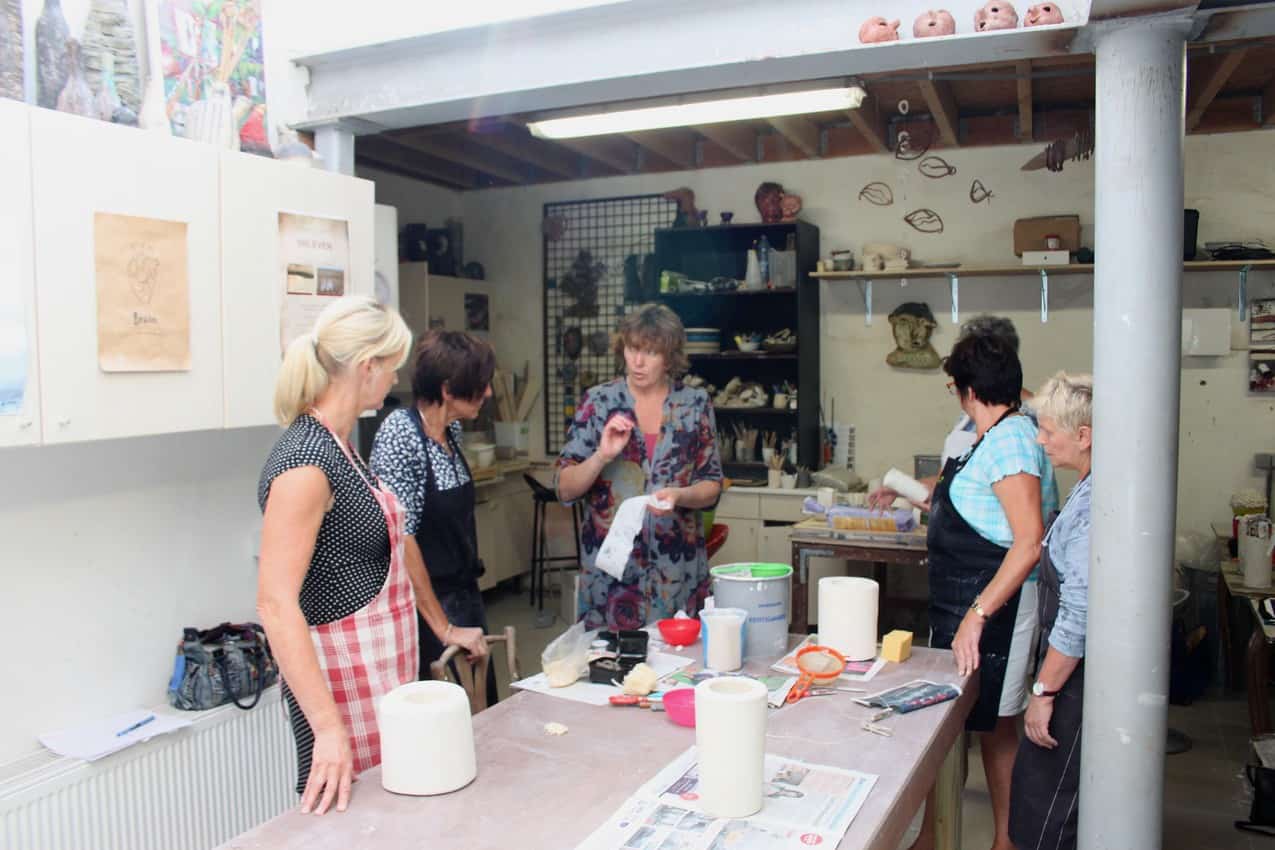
[351,330]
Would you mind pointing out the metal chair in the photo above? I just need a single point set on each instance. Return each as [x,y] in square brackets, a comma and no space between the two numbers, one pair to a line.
[544,496]
[473,677]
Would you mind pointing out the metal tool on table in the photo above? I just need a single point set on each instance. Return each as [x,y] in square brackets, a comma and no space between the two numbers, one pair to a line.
[819,665]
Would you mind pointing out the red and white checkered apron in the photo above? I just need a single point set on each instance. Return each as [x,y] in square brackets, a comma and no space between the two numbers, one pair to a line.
[374,650]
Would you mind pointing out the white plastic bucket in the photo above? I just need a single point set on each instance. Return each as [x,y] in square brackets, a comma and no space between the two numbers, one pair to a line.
[764,591]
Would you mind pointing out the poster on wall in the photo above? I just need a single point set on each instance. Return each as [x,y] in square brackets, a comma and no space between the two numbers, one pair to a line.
[1261,343]
[212,56]
[314,257]
[11,50]
[143,294]
[13,345]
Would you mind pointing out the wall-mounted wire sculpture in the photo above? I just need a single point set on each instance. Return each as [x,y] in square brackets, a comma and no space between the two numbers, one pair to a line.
[979,193]
[924,221]
[936,167]
[879,194]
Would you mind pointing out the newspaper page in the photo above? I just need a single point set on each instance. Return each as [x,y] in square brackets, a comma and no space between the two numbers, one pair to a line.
[804,805]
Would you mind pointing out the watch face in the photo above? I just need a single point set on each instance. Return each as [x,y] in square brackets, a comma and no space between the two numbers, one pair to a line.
[1037,689]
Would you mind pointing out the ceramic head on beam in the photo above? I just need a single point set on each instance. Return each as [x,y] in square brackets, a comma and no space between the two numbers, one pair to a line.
[1043,14]
[790,206]
[769,199]
[933,23]
[995,15]
[878,30]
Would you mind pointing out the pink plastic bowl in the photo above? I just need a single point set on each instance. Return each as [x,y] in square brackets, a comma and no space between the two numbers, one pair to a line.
[679,705]
[679,632]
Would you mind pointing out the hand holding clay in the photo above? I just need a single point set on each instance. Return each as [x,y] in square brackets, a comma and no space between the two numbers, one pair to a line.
[882,498]
[995,15]
[615,436]
[1043,14]
[934,23]
[878,30]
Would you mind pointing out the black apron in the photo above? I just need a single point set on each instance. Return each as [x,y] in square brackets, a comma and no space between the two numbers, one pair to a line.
[448,539]
[1046,783]
[961,563]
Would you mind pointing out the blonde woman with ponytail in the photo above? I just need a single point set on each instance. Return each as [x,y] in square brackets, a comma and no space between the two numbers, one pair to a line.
[336,596]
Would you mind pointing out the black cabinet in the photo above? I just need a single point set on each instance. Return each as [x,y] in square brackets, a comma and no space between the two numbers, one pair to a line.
[703,253]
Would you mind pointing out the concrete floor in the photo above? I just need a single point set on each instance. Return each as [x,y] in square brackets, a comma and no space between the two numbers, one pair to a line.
[1205,789]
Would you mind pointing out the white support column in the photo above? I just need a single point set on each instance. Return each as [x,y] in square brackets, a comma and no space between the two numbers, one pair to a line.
[335,145]
[1137,330]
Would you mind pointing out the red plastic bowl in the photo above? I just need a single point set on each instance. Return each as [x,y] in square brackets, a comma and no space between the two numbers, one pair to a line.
[679,631]
[679,705]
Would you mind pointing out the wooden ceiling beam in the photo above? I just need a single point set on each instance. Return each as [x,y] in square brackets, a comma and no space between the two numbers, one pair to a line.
[868,121]
[737,139]
[524,147]
[1213,85]
[1023,71]
[938,95]
[387,155]
[800,132]
[603,150]
[677,146]
[454,151]
[1268,104]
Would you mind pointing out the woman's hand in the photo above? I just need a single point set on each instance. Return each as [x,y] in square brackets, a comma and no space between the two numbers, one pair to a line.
[470,639]
[331,771]
[965,644]
[1036,722]
[668,498]
[882,498]
[615,436]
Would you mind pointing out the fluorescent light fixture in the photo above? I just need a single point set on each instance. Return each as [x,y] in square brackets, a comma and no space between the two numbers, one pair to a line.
[701,112]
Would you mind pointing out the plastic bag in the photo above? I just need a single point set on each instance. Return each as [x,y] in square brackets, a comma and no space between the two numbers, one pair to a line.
[1198,551]
[566,657]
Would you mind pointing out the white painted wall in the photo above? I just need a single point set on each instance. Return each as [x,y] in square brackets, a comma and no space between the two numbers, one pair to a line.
[899,414]
[110,548]
[415,200]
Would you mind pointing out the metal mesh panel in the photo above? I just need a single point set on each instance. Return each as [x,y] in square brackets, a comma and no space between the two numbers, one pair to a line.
[586,244]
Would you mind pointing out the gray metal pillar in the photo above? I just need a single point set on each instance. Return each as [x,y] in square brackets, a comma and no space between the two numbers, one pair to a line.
[335,145]
[1137,330]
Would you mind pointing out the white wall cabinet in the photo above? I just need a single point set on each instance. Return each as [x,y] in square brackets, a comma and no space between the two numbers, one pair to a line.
[503,514]
[254,191]
[19,420]
[759,522]
[80,167]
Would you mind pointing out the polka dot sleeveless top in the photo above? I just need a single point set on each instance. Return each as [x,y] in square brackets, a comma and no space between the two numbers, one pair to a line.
[352,553]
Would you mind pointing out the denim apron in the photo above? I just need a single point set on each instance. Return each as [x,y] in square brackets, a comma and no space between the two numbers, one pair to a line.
[961,563]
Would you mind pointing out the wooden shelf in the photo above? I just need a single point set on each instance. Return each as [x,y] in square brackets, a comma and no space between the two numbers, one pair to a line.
[785,290]
[756,411]
[1033,271]
[743,355]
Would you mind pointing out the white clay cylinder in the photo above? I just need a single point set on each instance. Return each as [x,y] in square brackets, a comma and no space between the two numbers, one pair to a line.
[1254,550]
[730,742]
[906,486]
[848,616]
[427,739]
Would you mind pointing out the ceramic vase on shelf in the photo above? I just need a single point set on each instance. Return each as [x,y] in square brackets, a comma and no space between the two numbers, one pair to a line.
[108,34]
[51,37]
[212,119]
[76,97]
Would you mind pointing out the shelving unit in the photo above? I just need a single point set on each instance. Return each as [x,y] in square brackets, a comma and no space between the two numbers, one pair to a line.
[703,253]
[954,273]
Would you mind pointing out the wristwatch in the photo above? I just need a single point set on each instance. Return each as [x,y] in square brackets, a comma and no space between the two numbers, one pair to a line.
[1038,690]
[977,608]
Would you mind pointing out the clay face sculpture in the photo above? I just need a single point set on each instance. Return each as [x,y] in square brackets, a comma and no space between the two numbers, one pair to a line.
[912,323]
[877,30]
[1043,14]
[769,198]
[995,15]
[934,23]
[790,205]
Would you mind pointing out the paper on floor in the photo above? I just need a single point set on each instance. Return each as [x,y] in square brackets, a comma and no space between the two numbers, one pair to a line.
[95,739]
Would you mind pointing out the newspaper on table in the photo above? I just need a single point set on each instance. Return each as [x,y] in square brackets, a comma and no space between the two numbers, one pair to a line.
[803,805]
[856,671]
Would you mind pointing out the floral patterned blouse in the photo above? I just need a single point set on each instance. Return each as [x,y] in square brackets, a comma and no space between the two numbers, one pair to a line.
[668,569]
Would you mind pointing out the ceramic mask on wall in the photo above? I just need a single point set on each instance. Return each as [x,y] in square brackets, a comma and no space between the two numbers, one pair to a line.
[934,23]
[912,324]
[995,15]
[1043,14]
[878,30]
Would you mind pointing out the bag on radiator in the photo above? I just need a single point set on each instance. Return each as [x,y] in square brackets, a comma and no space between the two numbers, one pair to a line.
[230,663]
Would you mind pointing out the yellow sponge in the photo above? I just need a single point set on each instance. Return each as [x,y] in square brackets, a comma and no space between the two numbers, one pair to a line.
[897,646]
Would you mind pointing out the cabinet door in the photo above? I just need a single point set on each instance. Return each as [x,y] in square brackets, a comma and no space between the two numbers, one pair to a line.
[254,191]
[82,167]
[493,545]
[19,378]
[773,546]
[741,543]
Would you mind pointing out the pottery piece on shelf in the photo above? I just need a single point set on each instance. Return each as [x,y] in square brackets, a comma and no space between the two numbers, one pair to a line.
[934,23]
[912,323]
[11,51]
[51,37]
[790,206]
[1043,14]
[108,32]
[769,199]
[291,149]
[154,113]
[212,119]
[687,215]
[76,96]
[995,15]
[878,30]
[727,216]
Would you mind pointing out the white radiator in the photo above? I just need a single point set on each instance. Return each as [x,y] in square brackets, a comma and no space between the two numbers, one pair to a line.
[189,790]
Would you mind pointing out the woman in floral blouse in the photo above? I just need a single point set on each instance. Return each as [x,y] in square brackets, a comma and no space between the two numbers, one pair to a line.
[644,433]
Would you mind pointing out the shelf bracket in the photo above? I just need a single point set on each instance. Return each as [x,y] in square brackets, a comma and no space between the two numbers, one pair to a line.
[1243,295]
[865,288]
[1044,296]
[955,283]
